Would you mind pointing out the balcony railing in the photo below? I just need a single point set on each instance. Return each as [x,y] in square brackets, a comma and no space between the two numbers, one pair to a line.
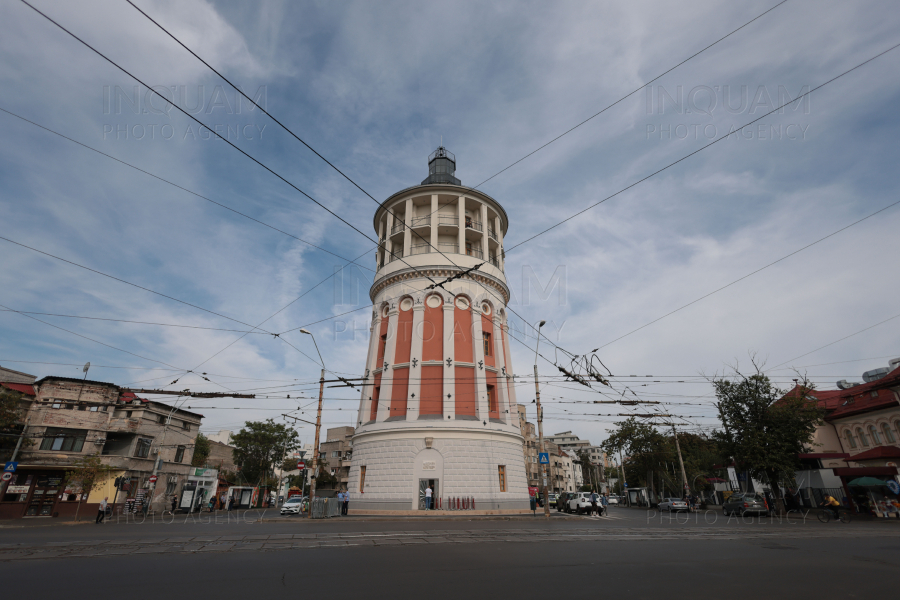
[492,234]
[494,261]
[397,228]
[448,248]
[442,220]
[476,253]
[395,255]
[420,249]
[476,225]
[421,221]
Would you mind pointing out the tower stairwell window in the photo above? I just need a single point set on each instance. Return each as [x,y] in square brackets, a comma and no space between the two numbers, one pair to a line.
[487,343]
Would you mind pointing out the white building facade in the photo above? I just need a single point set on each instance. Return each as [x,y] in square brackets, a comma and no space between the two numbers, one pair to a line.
[439,407]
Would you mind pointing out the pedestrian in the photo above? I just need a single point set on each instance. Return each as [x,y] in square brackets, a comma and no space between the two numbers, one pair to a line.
[231,502]
[212,503]
[174,503]
[604,505]
[428,497]
[594,499]
[222,501]
[101,512]
[346,504]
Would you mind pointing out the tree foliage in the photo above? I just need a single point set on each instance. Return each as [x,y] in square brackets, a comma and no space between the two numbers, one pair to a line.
[202,449]
[649,452]
[86,472]
[262,444]
[11,421]
[765,429]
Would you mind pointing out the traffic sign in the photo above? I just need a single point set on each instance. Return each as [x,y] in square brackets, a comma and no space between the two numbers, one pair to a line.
[10,467]
[301,465]
[544,458]
[153,479]
[6,476]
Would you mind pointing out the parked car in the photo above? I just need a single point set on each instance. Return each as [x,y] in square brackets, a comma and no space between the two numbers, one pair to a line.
[579,502]
[673,504]
[612,500]
[552,499]
[562,501]
[745,503]
[293,505]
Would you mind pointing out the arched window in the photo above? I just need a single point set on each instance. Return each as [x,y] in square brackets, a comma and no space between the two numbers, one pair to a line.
[862,437]
[888,434]
[850,441]
[873,433]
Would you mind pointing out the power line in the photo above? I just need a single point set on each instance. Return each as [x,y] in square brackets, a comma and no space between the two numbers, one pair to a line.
[704,147]
[202,197]
[28,312]
[146,289]
[237,89]
[636,90]
[822,239]
[836,341]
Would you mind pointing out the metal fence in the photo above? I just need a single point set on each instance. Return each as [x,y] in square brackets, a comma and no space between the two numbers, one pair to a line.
[325,507]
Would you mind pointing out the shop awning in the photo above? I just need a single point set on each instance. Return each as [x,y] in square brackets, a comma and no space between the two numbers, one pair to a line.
[879,452]
[855,472]
[867,482]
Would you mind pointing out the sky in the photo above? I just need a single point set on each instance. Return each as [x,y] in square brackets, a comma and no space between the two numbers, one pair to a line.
[376,87]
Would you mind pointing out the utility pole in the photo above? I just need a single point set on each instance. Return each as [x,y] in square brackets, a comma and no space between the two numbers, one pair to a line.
[540,420]
[312,483]
[622,486]
[684,484]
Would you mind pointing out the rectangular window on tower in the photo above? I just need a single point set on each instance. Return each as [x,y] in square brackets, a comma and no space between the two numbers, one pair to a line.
[501,471]
[492,399]
[487,343]
[362,478]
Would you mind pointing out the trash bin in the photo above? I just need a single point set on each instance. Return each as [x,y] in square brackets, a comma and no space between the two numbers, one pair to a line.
[533,503]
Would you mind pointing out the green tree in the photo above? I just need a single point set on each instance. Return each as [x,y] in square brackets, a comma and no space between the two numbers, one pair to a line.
[202,449]
[325,477]
[85,474]
[639,444]
[261,445]
[11,421]
[763,428]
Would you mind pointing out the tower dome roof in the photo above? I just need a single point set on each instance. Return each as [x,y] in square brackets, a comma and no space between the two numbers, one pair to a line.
[441,167]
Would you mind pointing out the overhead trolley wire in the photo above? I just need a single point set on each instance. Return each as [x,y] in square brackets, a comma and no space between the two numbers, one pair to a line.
[202,197]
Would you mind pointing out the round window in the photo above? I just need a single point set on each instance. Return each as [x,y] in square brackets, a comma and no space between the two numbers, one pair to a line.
[384,312]
[462,303]
[486,308]
[406,304]
[434,301]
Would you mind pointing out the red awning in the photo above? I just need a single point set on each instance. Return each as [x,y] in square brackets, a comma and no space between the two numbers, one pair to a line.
[25,388]
[824,455]
[864,471]
[878,452]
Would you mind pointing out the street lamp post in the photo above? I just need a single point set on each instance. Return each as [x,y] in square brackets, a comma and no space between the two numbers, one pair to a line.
[315,465]
[540,420]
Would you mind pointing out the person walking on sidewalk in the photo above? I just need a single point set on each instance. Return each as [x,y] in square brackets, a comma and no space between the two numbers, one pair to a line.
[428,497]
[345,505]
[101,512]
[604,505]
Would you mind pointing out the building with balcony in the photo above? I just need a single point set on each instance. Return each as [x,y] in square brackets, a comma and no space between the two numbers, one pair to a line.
[69,419]
[438,407]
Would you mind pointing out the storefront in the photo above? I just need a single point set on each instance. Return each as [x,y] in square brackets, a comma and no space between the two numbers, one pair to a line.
[38,493]
[243,496]
[872,490]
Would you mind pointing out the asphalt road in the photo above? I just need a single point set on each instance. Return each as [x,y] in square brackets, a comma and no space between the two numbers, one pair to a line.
[631,552]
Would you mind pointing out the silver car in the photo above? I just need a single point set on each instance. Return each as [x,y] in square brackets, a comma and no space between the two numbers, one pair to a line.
[673,504]
[745,503]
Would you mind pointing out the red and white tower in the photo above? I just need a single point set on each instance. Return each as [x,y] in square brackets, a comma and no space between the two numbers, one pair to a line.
[440,410]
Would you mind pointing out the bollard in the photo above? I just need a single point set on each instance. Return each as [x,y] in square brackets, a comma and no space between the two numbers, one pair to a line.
[473,503]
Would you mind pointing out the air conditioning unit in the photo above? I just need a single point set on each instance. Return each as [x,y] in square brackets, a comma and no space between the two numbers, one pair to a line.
[100,441]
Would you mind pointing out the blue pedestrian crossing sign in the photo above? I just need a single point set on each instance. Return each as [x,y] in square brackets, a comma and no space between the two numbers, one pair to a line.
[10,467]
[544,458]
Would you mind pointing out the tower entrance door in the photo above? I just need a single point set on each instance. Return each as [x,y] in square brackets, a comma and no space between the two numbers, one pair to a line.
[435,493]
